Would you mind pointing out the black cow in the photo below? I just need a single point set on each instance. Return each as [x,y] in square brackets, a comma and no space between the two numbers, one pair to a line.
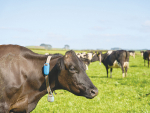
[114,59]
[146,56]
[22,82]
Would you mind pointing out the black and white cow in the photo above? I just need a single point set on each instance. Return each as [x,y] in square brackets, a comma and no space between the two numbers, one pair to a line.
[146,56]
[81,55]
[132,53]
[89,56]
[114,59]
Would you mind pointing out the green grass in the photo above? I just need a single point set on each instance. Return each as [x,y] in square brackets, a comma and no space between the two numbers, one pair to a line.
[116,94]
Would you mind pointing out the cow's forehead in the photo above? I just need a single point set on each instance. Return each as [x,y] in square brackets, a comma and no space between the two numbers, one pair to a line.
[70,56]
[73,60]
[72,53]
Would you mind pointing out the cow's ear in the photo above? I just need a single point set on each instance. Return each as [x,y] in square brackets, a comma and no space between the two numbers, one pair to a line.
[60,63]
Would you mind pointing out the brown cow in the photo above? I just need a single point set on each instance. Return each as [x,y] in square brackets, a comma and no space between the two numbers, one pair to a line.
[22,82]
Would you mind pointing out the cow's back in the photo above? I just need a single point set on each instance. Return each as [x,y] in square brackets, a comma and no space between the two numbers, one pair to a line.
[9,55]
[10,64]
[120,56]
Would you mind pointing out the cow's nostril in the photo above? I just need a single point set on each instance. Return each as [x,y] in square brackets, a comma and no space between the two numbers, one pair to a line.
[94,92]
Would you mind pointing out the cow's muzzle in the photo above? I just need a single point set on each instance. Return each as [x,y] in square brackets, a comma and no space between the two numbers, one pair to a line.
[94,92]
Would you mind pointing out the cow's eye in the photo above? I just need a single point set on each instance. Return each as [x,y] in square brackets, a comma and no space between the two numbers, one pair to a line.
[72,69]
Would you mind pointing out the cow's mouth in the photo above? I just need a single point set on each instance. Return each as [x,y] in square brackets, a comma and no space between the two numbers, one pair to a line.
[88,93]
[91,94]
[94,92]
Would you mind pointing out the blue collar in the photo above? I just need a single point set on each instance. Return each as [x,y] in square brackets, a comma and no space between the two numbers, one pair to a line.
[46,70]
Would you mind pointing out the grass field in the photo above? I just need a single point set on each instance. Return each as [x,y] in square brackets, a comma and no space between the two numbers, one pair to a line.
[116,94]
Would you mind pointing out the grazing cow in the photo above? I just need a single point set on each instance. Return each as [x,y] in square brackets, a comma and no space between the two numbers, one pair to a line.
[132,53]
[23,84]
[114,59]
[146,56]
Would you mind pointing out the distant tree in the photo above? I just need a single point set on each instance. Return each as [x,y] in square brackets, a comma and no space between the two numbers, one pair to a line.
[43,44]
[116,48]
[66,47]
[47,46]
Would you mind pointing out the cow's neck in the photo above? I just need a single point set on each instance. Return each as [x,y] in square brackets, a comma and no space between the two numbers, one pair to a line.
[42,90]
[53,78]
[52,75]
[103,57]
[34,87]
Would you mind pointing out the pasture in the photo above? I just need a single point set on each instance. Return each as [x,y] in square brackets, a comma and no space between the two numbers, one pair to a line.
[116,94]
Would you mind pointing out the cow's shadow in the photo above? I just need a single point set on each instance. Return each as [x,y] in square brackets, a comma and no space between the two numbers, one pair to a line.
[98,76]
[136,66]
[133,66]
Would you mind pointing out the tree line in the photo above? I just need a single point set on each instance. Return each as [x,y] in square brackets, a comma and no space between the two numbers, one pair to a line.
[49,47]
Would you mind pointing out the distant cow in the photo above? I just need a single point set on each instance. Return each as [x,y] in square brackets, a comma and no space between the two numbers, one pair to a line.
[146,56]
[86,58]
[78,55]
[132,53]
[81,55]
[22,82]
[86,62]
[89,56]
[114,59]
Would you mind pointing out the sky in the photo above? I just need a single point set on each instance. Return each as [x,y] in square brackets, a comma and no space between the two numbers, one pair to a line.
[81,24]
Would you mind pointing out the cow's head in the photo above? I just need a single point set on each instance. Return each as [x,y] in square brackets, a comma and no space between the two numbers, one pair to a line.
[72,76]
[96,57]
